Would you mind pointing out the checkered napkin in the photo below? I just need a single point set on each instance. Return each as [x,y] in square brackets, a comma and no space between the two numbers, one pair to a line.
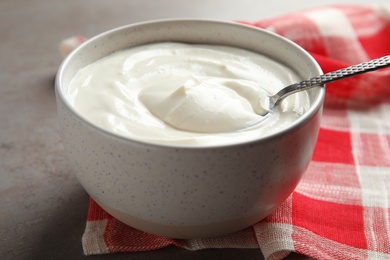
[341,208]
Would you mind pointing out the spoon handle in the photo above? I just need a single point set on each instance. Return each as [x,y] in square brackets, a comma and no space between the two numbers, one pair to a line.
[333,76]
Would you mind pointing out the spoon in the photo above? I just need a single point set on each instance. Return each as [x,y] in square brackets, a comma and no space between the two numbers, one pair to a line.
[268,103]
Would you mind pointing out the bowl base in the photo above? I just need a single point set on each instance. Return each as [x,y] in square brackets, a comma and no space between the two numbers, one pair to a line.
[186,232]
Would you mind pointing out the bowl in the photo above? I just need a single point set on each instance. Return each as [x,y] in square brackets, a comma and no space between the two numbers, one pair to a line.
[179,191]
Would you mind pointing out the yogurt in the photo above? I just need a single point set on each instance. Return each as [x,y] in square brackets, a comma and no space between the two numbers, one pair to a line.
[185,94]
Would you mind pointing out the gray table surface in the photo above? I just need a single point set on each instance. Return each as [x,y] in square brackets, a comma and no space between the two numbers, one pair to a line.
[42,206]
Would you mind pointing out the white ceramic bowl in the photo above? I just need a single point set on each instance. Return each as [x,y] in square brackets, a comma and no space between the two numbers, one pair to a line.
[188,192]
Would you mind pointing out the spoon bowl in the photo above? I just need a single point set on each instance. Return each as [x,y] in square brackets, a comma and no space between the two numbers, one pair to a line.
[185,191]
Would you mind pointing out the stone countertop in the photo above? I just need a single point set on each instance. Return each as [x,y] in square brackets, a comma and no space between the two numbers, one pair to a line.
[42,206]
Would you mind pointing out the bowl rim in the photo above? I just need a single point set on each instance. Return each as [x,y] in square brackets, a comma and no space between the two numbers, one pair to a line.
[314,107]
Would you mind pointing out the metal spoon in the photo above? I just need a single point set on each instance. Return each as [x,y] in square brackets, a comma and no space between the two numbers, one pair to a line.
[269,102]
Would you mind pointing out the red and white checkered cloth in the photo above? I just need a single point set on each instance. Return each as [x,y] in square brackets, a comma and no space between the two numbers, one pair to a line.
[341,208]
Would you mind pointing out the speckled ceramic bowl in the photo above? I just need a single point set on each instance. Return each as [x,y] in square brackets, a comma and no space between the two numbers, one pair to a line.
[185,192]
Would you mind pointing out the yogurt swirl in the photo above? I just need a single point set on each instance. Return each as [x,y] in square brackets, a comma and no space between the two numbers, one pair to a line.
[183,94]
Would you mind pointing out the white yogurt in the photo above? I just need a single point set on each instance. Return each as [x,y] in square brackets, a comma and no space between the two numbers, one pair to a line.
[183,94]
